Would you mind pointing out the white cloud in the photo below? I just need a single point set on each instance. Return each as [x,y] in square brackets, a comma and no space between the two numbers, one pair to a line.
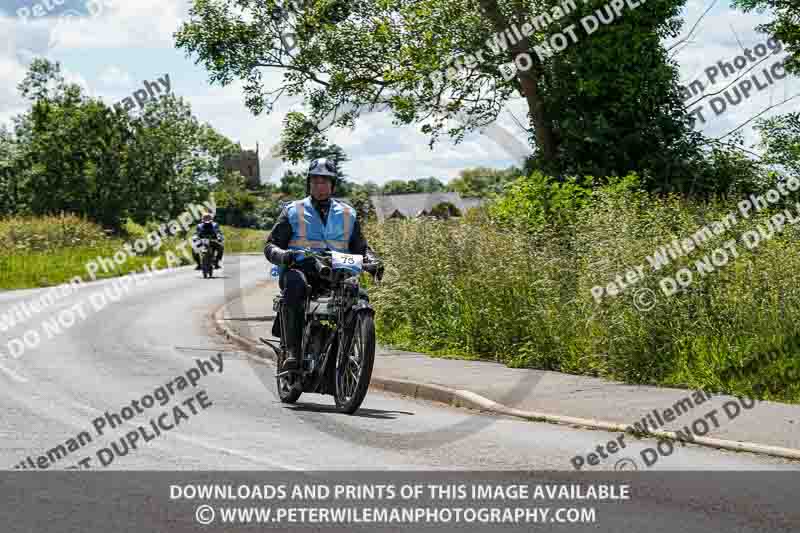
[140,24]
[114,76]
[71,76]
[379,149]
[12,71]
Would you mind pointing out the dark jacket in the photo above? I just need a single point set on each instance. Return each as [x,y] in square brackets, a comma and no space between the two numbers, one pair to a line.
[208,230]
[278,239]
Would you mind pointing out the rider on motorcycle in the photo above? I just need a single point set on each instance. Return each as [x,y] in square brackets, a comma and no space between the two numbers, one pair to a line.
[208,229]
[317,222]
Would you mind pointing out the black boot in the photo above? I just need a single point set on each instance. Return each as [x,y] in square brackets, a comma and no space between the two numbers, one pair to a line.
[292,362]
[293,313]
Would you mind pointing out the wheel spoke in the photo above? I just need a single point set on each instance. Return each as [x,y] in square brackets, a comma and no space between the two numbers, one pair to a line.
[358,337]
[350,364]
[345,385]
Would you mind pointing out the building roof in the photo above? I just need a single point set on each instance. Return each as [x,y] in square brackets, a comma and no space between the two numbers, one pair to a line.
[411,205]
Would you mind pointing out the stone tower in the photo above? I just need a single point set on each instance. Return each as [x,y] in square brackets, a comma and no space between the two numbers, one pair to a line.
[246,162]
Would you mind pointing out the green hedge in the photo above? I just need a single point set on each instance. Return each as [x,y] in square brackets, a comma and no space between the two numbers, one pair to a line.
[520,290]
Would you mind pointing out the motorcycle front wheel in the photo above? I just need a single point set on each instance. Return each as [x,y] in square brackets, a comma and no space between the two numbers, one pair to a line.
[208,268]
[354,368]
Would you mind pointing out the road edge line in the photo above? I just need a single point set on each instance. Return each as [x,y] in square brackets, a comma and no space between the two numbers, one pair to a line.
[471,400]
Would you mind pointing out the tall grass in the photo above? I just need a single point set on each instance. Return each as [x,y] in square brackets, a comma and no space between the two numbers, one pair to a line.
[472,287]
[243,240]
[43,269]
[45,251]
[48,233]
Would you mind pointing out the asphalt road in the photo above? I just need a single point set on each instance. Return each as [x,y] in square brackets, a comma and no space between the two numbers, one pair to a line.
[155,333]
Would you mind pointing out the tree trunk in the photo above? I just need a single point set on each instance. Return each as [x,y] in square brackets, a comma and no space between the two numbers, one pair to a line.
[529,83]
[542,126]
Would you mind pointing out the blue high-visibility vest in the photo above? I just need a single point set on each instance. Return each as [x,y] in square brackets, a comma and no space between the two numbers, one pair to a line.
[308,230]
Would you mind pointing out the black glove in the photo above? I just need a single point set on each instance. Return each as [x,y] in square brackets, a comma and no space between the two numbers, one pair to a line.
[374,267]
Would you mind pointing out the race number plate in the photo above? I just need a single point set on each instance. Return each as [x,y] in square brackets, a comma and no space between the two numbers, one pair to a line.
[354,263]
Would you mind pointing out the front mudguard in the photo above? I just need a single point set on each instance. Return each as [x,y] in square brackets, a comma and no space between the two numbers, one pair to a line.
[362,306]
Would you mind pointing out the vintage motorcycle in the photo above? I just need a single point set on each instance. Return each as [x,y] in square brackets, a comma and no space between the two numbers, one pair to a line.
[338,343]
[207,254]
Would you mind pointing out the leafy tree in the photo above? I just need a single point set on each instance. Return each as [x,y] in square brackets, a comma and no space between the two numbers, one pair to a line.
[9,155]
[317,150]
[429,185]
[371,187]
[398,187]
[532,202]
[780,138]
[293,184]
[606,103]
[178,157]
[233,199]
[73,153]
[266,214]
[785,27]
[482,181]
[445,210]
[363,206]
[616,102]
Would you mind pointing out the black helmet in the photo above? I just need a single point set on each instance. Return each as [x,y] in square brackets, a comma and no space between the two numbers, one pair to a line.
[321,167]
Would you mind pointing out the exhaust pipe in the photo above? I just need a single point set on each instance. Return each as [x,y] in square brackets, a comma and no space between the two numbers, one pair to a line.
[324,270]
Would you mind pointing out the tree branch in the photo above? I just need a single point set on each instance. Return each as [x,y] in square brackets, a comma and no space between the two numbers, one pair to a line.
[755,117]
[695,26]
[724,88]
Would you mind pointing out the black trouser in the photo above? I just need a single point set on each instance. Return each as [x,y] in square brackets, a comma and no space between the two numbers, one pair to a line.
[214,246]
[295,291]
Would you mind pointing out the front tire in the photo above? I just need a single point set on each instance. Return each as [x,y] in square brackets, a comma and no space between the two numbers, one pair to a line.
[354,369]
[208,269]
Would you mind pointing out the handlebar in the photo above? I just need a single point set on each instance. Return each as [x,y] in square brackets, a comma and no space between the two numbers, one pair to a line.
[323,266]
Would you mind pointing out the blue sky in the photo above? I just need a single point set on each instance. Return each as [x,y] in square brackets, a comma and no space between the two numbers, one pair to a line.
[127,42]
